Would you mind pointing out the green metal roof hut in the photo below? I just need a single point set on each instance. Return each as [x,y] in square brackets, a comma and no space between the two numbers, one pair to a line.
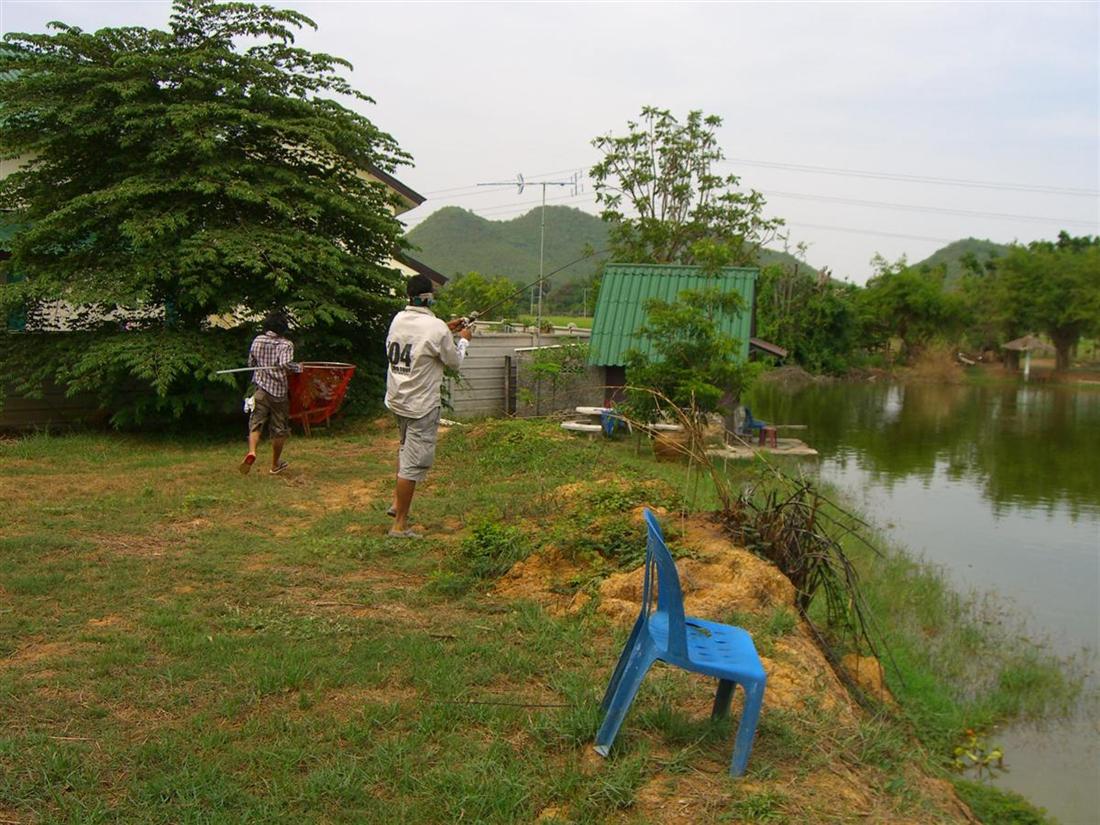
[620,311]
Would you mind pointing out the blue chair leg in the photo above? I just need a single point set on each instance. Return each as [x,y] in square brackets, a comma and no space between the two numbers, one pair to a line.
[722,699]
[631,680]
[746,730]
[624,657]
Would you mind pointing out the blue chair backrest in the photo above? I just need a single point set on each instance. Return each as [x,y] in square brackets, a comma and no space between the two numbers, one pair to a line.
[670,598]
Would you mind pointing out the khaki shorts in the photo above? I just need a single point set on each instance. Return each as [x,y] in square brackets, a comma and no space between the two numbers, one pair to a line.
[417,453]
[272,411]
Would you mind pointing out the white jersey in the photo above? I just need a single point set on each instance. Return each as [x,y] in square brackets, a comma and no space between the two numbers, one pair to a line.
[418,347]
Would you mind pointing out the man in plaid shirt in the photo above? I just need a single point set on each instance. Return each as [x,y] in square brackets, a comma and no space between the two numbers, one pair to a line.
[271,348]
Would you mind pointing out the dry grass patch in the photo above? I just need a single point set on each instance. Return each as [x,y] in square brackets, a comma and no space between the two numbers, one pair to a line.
[137,546]
[36,655]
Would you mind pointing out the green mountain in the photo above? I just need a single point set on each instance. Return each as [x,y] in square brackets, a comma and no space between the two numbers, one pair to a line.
[771,257]
[454,240]
[952,256]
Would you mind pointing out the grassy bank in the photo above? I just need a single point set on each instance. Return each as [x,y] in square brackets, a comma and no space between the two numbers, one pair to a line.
[181,644]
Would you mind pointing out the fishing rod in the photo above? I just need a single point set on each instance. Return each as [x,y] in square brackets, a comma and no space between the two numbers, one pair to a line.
[313,365]
[459,324]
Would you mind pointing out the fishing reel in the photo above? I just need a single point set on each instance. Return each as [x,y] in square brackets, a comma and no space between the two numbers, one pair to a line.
[465,322]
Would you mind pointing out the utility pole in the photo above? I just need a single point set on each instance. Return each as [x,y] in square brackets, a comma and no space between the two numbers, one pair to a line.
[521,183]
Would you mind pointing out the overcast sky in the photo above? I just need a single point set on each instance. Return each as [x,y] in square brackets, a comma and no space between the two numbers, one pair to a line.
[813,95]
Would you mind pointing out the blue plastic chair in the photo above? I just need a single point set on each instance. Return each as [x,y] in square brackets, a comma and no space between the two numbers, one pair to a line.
[610,421]
[752,425]
[667,635]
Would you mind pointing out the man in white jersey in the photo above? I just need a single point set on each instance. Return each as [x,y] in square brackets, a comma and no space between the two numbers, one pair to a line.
[419,347]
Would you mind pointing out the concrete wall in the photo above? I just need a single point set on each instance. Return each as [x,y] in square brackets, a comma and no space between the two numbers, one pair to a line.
[481,391]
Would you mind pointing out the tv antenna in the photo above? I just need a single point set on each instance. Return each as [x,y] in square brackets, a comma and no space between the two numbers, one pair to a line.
[520,183]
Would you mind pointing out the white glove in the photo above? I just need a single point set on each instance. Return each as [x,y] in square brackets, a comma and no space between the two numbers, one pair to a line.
[250,404]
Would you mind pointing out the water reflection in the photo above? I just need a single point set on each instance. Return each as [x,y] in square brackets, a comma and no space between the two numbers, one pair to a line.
[1037,447]
[1000,488]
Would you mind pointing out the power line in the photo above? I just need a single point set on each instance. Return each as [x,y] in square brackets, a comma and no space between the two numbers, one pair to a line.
[863,173]
[516,208]
[849,229]
[855,231]
[519,207]
[506,208]
[935,209]
[938,181]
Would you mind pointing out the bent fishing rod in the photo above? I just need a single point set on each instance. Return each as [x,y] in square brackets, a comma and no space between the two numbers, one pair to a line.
[459,324]
[313,365]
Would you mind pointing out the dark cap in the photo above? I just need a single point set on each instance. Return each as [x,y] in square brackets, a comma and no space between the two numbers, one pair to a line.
[418,285]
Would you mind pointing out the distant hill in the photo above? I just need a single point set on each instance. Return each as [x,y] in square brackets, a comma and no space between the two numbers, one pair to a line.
[770,257]
[952,255]
[454,240]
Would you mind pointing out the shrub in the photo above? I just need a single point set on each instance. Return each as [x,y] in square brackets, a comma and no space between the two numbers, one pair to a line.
[492,548]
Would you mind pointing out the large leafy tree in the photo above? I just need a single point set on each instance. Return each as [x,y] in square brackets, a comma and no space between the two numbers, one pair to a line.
[665,202]
[910,304]
[177,181]
[1051,287]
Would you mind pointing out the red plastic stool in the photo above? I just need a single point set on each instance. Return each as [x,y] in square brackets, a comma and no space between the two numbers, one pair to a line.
[767,435]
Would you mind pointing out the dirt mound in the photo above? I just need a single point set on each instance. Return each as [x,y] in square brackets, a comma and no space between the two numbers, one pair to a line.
[721,580]
[547,578]
[806,706]
[718,579]
[868,674]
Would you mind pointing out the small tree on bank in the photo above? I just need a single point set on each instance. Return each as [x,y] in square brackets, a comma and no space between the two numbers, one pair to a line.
[691,362]
[664,202]
[813,316]
[174,177]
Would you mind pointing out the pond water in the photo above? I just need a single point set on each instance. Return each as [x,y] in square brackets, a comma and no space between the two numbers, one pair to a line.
[1000,488]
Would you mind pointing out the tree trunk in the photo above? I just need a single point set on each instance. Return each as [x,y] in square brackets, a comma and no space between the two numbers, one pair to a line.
[1061,358]
[1064,341]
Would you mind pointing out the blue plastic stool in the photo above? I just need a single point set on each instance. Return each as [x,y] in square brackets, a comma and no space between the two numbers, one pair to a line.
[696,645]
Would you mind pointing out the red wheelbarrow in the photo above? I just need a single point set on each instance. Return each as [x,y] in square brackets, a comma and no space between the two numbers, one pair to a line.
[317,392]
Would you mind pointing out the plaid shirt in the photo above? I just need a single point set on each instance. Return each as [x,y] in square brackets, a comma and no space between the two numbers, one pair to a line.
[269,350]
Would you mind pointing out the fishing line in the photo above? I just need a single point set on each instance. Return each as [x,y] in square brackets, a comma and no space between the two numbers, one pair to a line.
[473,316]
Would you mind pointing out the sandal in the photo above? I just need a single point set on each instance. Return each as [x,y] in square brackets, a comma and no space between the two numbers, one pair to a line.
[278,468]
[246,464]
[405,534]
[392,512]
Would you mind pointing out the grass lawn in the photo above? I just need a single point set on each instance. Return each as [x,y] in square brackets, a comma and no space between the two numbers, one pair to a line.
[182,644]
[583,322]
